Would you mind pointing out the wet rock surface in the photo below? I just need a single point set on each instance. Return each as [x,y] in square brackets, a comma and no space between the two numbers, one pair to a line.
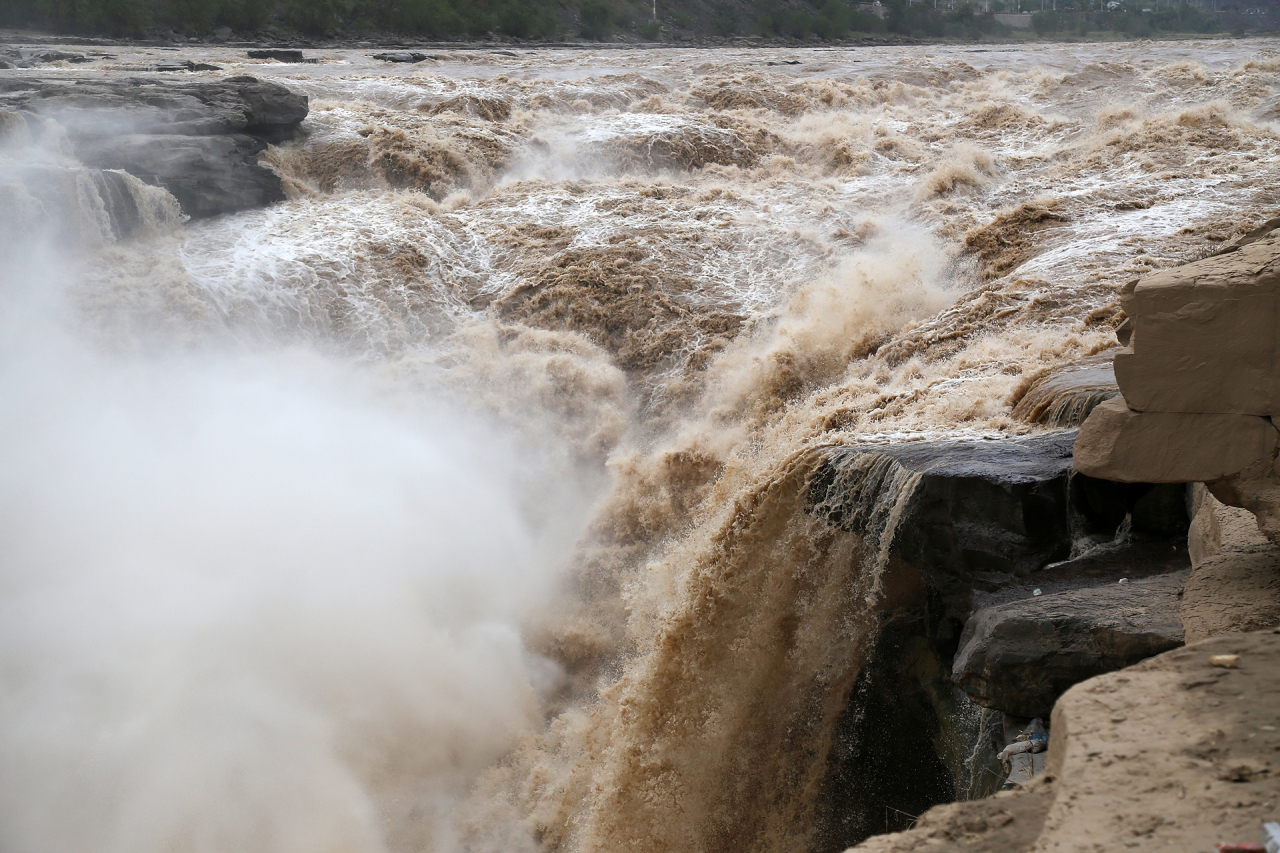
[967,531]
[1020,657]
[278,54]
[1064,396]
[198,140]
[208,175]
[979,516]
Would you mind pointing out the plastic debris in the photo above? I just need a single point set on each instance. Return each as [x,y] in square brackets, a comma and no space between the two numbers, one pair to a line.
[1229,847]
[1036,592]
[1225,661]
[1123,580]
[1271,837]
[1031,739]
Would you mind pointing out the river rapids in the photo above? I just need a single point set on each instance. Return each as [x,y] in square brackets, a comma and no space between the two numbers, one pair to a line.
[460,501]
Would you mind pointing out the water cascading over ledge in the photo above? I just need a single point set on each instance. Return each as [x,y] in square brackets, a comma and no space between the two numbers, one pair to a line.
[948,527]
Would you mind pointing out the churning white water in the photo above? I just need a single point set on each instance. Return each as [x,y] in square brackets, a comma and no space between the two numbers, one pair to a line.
[459,501]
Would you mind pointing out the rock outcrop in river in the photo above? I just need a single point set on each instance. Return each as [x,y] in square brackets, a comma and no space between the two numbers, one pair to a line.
[200,141]
[1200,386]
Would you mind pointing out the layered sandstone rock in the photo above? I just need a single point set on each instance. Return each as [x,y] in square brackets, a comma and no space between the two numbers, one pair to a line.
[1200,381]
[1119,444]
[1235,578]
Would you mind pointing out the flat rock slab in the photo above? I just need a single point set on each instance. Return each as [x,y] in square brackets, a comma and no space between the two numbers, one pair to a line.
[1020,657]
[403,56]
[198,140]
[279,55]
[1127,446]
[91,109]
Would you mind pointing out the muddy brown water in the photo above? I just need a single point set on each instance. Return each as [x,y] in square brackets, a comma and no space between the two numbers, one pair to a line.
[571,330]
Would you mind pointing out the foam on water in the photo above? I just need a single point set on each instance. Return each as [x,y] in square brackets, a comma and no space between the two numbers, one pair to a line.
[674,281]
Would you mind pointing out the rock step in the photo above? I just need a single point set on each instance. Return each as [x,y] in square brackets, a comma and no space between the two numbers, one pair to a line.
[198,140]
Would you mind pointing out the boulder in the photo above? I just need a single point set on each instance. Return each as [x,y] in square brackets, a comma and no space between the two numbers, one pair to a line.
[208,175]
[401,56]
[1117,443]
[1235,577]
[1020,657]
[1217,528]
[278,54]
[1204,335]
[1232,592]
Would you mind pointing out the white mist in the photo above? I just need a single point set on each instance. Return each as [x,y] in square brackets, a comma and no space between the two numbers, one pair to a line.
[247,602]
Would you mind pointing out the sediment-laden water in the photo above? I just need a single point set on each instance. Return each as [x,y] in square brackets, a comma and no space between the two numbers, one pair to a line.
[461,501]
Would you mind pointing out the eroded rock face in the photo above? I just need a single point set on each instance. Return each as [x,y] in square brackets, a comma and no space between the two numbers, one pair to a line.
[1200,381]
[964,525]
[199,140]
[976,516]
[1235,578]
[1020,657]
[1119,444]
[208,175]
[1204,335]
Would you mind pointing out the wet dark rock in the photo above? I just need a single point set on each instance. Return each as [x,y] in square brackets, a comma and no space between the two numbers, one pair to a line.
[184,65]
[4,63]
[199,140]
[44,56]
[964,527]
[1065,395]
[979,515]
[208,175]
[1020,657]
[100,108]
[401,56]
[278,54]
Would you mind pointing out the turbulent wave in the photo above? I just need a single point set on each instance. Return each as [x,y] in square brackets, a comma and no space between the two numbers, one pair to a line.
[665,287]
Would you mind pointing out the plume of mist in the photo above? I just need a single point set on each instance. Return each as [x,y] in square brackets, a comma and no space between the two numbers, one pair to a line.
[251,598]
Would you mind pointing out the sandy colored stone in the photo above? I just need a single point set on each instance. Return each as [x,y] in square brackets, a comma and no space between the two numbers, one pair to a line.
[1232,592]
[1117,443]
[1171,754]
[1204,335]
[1216,527]
[1008,822]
